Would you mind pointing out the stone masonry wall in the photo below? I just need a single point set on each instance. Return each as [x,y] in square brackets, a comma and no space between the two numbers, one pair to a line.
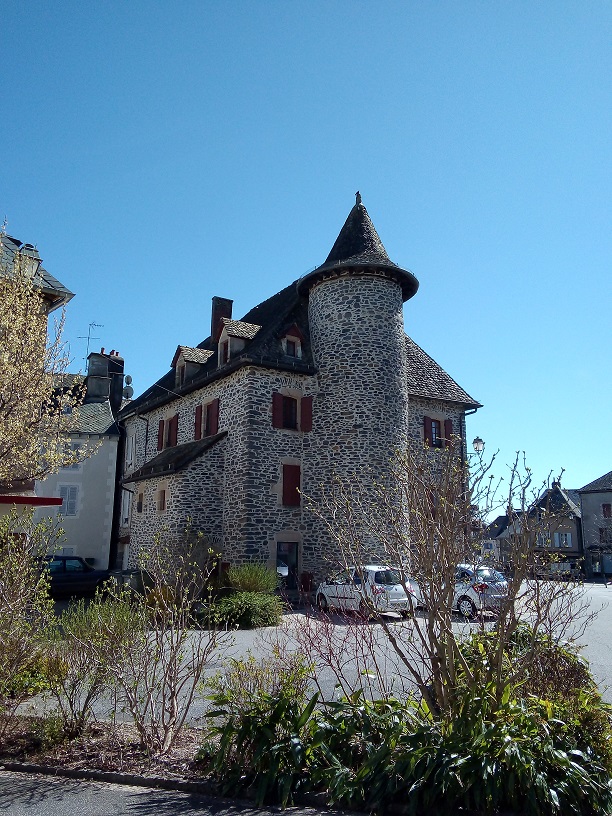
[361,416]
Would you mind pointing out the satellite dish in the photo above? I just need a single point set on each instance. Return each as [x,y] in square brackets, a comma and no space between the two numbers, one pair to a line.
[128,392]
[128,379]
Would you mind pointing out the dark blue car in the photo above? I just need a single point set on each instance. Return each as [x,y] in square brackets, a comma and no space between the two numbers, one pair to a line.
[72,575]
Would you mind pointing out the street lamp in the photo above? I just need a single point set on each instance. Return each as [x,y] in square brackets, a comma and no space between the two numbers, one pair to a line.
[478,445]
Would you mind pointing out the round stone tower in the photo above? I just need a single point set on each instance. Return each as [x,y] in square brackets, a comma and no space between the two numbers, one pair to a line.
[360,418]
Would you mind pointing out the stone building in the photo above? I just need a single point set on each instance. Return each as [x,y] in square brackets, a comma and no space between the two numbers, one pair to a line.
[596,506]
[319,381]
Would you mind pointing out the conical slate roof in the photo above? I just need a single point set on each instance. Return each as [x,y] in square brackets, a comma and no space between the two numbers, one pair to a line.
[357,246]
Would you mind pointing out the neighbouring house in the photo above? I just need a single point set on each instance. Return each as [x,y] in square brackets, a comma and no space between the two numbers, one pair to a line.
[87,490]
[54,296]
[596,506]
[559,531]
[246,431]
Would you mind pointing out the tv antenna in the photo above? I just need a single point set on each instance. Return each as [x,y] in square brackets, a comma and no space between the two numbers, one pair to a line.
[89,338]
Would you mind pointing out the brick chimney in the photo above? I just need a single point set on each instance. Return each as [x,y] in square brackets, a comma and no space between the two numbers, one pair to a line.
[221,307]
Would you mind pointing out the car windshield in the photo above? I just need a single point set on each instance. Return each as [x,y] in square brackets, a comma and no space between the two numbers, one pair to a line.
[488,574]
[388,577]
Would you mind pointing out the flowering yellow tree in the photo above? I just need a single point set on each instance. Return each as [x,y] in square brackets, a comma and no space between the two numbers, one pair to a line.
[37,399]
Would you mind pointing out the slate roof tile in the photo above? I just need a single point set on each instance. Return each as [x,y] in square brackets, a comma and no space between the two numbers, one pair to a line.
[427,379]
[601,485]
[239,328]
[173,460]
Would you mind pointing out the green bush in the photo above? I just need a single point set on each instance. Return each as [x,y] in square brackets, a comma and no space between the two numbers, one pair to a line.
[252,578]
[264,746]
[487,758]
[558,676]
[242,682]
[249,610]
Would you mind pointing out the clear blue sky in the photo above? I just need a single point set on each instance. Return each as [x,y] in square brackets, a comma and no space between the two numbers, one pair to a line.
[161,153]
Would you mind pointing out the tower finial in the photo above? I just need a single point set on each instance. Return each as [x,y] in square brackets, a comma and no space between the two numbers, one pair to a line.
[357,198]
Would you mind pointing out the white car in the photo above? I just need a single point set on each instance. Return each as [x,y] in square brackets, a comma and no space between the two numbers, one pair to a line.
[478,588]
[365,589]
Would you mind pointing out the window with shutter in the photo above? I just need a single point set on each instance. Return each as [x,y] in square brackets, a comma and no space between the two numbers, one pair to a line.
[160,435]
[277,410]
[198,422]
[173,431]
[448,431]
[211,418]
[69,495]
[291,485]
[427,430]
[306,414]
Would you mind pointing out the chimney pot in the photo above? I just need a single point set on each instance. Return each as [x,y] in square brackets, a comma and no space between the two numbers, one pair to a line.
[102,350]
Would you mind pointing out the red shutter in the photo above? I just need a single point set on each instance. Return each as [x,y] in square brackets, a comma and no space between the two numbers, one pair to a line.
[291,485]
[213,418]
[277,410]
[306,414]
[427,427]
[160,435]
[173,431]
[198,422]
[448,432]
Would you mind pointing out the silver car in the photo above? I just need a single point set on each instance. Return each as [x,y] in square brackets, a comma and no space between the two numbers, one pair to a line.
[478,588]
[371,587]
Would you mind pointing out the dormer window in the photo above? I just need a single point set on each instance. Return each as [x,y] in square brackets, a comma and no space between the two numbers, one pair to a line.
[187,362]
[292,343]
[234,337]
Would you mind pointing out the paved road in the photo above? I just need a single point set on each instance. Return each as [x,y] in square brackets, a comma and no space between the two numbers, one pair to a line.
[597,643]
[31,795]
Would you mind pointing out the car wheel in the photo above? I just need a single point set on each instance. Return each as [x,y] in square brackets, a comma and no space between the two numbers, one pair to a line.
[408,613]
[466,607]
[364,610]
[322,603]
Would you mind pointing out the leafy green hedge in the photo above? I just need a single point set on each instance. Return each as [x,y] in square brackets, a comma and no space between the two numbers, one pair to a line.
[249,610]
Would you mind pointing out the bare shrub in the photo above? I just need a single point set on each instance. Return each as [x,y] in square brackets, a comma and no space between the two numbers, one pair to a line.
[154,645]
[429,519]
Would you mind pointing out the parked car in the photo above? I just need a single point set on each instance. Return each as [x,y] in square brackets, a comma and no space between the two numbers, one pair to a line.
[72,575]
[478,588]
[361,590]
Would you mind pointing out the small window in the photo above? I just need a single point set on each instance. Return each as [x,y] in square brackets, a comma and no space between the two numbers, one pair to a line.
[139,503]
[605,535]
[607,510]
[129,451]
[224,352]
[180,375]
[161,501]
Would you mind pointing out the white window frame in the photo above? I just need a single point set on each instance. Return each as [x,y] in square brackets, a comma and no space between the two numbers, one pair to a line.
[130,444]
[298,346]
